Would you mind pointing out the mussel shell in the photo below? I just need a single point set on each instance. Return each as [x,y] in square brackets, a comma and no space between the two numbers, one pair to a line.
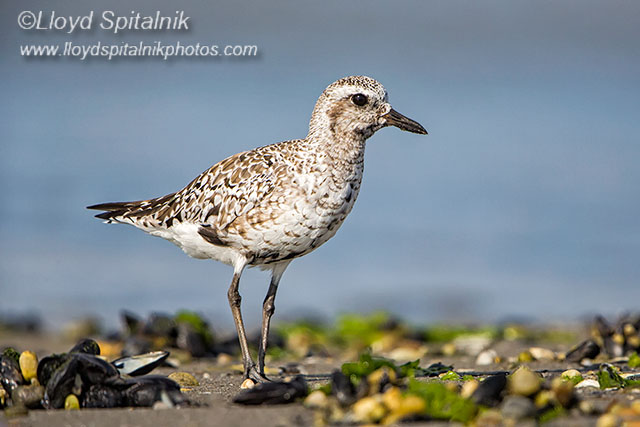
[10,375]
[145,391]
[489,391]
[102,396]
[76,375]
[160,325]
[342,388]
[87,346]
[586,350]
[273,393]
[140,364]
[190,340]
[48,365]
[131,322]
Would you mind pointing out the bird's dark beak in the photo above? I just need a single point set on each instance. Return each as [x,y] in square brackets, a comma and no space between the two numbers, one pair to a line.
[393,118]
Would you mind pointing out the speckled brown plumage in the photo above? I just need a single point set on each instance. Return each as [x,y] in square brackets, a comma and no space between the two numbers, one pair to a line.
[267,206]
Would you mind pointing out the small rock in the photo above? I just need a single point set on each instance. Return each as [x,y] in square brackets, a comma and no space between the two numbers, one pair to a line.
[543,399]
[570,374]
[517,408]
[448,349]
[473,344]
[563,391]
[368,410]
[71,403]
[247,384]
[468,388]
[28,396]
[316,400]
[28,365]
[184,379]
[525,357]
[486,357]
[588,383]
[409,405]
[490,390]
[392,398]
[524,382]
[609,420]
[490,417]
[540,353]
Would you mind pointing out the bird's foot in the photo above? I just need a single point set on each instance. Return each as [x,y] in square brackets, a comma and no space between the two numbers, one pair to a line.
[256,376]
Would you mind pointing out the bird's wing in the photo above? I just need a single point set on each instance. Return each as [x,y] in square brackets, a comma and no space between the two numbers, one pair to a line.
[214,199]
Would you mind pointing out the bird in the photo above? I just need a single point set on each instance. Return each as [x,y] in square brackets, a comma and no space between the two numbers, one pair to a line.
[267,206]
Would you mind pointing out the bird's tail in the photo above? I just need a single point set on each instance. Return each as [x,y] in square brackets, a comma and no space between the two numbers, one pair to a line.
[129,212]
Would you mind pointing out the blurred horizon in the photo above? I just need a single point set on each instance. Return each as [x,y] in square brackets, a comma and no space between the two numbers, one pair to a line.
[523,200]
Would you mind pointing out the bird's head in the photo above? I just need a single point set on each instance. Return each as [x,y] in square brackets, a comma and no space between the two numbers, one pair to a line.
[356,107]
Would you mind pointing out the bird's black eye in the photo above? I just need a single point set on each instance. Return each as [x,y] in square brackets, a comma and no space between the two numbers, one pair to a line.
[359,99]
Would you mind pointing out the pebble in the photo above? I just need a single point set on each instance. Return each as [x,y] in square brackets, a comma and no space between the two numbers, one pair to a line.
[490,417]
[517,408]
[368,410]
[392,398]
[563,391]
[525,357]
[409,405]
[224,359]
[184,379]
[588,383]
[486,357]
[543,399]
[28,396]
[408,353]
[316,400]
[468,388]
[71,403]
[247,384]
[571,374]
[489,391]
[449,349]
[609,420]
[472,345]
[540,353]
[28,365]
[524,382]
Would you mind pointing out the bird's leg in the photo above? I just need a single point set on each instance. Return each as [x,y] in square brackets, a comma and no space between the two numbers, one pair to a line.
[234,302]
[268,308]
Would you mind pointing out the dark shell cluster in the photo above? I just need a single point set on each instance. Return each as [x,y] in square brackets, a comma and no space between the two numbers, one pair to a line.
[88,379]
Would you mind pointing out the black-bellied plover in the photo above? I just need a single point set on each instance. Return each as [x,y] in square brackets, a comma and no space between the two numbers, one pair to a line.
[267,206]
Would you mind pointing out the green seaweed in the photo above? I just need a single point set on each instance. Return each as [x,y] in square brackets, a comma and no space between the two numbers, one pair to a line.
[442,403]
[575,380]
[450,376]
[634,360]
[360,330]
[609,377]
[11,353]
[551,414]
[446,333]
